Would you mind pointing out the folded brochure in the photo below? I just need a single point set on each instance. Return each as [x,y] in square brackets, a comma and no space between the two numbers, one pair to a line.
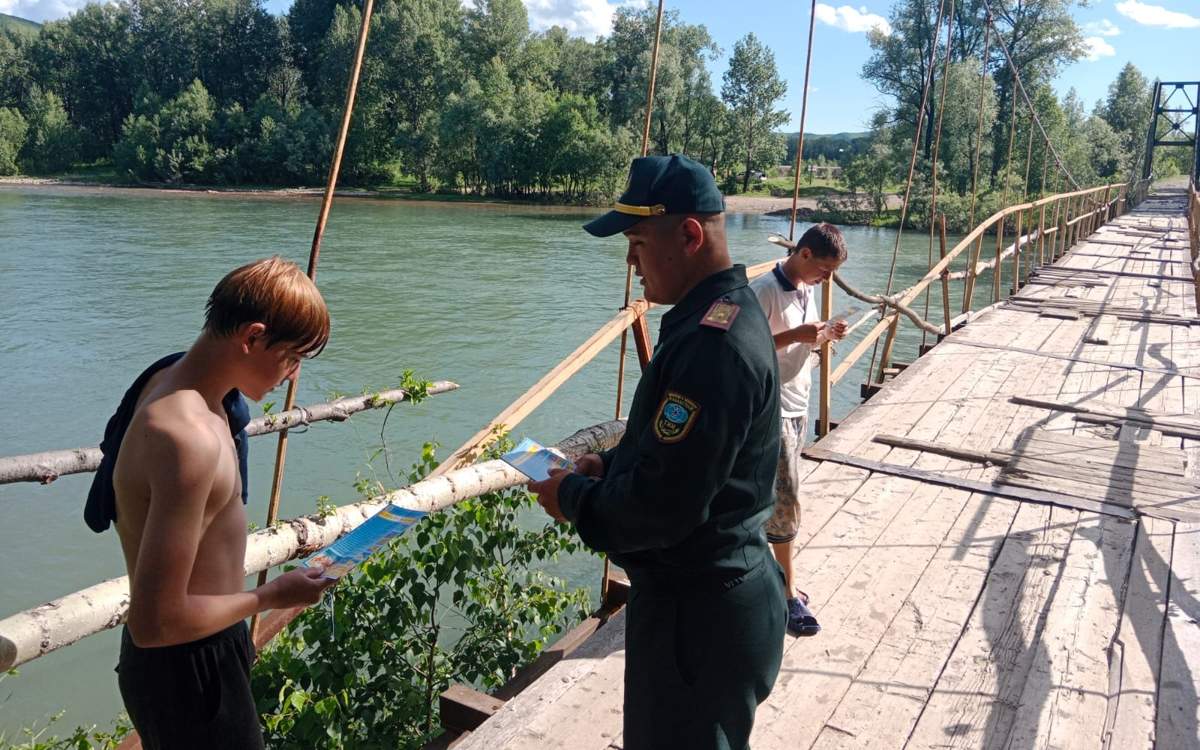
[535,460]
[530,458]
[345,554]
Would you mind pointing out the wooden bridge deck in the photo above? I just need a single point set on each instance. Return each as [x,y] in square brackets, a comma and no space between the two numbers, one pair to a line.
[1046,599]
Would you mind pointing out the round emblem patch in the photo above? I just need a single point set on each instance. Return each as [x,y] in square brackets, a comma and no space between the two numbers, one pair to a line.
[675,413]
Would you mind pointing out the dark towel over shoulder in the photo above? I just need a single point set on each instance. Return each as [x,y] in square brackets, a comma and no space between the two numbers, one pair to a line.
[101,507]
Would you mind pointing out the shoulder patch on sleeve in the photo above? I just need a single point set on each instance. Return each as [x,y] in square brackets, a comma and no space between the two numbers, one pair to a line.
[721,315]
[675,417]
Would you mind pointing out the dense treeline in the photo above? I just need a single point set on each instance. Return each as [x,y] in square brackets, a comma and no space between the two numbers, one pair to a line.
[452,97]
[981,97]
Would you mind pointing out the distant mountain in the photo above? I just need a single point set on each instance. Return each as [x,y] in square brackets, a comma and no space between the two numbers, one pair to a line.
[846,137]
[838,147]
[18,24]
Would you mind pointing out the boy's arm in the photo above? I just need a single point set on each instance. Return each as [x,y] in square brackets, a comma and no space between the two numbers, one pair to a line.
[182,465]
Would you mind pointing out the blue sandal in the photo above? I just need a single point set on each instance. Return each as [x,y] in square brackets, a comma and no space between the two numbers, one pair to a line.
[801,621]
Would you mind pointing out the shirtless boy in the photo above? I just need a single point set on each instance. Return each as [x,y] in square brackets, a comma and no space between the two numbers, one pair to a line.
[186,651]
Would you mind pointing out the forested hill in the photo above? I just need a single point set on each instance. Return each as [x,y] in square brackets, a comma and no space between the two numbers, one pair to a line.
[18,24]
[454,96]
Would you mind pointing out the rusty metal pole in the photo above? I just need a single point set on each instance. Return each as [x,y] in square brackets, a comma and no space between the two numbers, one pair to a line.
[640,332]
[313,257]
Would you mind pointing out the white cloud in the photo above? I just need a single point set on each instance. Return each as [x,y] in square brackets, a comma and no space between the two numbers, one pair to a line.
[41,10]
[586,18]
[852,19]
[1097,48]
[1156,15]
[1103,27]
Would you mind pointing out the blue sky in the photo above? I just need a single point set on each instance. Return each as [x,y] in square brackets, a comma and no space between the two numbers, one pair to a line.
[1158,36]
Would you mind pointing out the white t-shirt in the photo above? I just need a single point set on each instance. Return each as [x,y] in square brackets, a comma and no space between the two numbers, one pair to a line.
[786,307]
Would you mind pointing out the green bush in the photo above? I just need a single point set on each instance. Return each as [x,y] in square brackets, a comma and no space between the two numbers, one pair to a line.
[81,738]
[456,599]
[53,142]
[12,138]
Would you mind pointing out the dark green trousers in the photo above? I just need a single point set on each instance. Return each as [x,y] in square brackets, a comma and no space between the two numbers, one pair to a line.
[698,662]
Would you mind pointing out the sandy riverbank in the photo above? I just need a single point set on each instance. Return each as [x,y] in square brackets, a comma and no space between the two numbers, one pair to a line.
[756,204]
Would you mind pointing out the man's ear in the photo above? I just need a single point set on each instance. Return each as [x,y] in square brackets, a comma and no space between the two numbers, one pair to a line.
[248,334]
[693,234]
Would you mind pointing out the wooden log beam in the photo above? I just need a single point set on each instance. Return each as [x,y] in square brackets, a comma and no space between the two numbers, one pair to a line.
[469,451]
[50,465]
[38,631]
[1183,425]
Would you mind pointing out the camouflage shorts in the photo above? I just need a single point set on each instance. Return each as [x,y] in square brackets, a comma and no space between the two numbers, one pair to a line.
[785,520]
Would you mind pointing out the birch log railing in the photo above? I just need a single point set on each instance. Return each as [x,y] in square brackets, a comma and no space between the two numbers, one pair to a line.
[50,465]
[1062,220]
[36,632]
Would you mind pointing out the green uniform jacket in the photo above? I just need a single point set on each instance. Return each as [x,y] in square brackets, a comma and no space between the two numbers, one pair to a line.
[686,492]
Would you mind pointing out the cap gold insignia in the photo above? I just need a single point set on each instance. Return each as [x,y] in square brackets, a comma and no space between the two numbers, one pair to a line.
[721,315]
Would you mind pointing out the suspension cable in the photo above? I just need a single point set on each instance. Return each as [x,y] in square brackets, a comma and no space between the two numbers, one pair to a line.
[812,22]
[989,19]
[937,142]
[912,164]
[983,74]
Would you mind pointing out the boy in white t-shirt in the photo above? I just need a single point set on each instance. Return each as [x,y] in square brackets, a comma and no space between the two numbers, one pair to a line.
[788,296]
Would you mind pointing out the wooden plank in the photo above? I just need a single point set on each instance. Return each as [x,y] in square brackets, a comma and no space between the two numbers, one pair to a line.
[463,709]
[850,562]
[1065,698]
[887,694]
[1007,491]
[1067,358]
[1118,478]
[1042,442]
[975,701]
[1101,331]
[521,721]
[1177,723]
[1152,417]
[1136,652]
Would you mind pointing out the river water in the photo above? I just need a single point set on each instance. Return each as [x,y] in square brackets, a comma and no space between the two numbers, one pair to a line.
[95,284]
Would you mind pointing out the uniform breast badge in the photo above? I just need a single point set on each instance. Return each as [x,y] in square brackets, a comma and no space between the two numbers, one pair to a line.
[721,315]
[676,415]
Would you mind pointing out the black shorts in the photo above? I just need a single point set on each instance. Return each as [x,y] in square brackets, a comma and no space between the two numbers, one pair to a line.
[193,695]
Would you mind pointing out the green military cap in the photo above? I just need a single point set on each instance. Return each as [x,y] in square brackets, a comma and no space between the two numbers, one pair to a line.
[660,185]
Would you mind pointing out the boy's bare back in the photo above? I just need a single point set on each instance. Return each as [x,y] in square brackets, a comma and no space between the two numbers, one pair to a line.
[178,487]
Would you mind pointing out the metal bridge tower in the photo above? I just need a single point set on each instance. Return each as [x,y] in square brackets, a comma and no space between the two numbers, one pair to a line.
[1175,104]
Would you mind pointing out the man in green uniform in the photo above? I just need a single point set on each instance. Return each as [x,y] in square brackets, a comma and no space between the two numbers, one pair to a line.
[681,502]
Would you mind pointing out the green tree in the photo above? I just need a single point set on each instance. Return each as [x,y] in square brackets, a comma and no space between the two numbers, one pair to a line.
[416,61]
[752,88]
[495,29]
[1127,110]
[12,138]
[53,142]
[89,61]
[308,22]
[961,132]
[171,145]
[872,172]
[16,71]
